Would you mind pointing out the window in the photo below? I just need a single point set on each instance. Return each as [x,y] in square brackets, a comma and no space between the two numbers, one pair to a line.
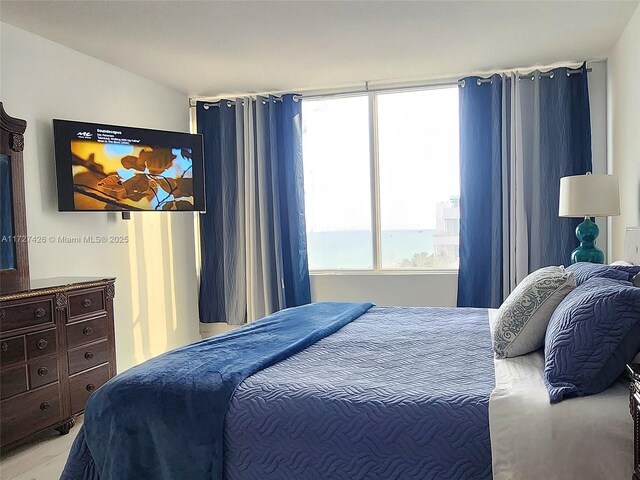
[382,180]
[337,184]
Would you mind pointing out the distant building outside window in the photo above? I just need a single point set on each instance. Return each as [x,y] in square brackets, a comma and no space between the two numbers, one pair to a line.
[382,181]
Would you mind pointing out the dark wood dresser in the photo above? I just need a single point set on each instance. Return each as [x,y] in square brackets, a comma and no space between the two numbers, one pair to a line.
[634,406]
[57,347]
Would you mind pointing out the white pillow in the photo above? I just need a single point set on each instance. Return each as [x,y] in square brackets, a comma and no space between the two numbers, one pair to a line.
[522,319]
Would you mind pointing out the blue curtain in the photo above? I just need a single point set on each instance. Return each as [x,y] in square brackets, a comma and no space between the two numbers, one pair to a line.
[480,271]
[297,290]
[563,120]
[218,239]
[253,235]
[518,137]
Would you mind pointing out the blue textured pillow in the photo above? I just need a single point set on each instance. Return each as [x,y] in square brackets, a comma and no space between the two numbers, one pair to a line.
[592,334]
[583,271]
[632,270]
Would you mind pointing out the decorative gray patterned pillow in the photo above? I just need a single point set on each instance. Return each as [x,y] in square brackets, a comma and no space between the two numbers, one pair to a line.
[521,322]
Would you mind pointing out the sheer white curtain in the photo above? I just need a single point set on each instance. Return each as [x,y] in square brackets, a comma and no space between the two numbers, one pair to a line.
[263,289]
[516,232]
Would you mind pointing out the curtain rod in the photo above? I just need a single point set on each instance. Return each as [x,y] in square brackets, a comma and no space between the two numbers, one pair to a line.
[230,103]
[531,75]
[426,86]
[298,97]
[387,89]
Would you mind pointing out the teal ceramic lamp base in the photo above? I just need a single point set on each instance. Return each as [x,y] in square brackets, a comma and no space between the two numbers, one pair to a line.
[587,232]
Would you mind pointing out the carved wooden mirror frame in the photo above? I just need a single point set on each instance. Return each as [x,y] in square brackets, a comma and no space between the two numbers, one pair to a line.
[12,144]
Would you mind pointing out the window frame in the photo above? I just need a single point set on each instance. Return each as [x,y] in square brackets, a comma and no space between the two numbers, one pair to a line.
[374,177]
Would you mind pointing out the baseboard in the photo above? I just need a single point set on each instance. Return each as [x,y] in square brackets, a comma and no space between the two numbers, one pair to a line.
[216,328]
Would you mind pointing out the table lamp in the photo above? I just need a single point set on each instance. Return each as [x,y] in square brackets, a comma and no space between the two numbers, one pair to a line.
[588,196]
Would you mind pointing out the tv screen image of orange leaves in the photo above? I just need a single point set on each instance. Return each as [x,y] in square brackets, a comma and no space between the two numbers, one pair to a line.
[131,177]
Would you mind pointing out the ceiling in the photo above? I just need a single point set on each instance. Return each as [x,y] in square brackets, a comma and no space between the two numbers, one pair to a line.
[215,47]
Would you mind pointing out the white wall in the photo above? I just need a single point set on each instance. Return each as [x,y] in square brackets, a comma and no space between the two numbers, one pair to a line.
[624,129]
[156,291]
[403,289]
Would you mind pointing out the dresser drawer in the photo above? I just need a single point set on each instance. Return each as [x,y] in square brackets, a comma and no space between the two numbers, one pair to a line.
[41,343]
[85,303]
[25,414]
[25,315]
[43,371]
[13,381]
[81,386]
[88,356]
[11,351]
[88,331]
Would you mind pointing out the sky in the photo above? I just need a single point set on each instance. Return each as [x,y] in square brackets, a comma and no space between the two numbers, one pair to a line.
[418,159]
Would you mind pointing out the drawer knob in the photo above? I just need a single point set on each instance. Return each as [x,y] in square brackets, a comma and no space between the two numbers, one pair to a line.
[5,346]
[42,344]
[40,312]
[45,406]
[3,314]
[43,371]
[88,355]
[91,387]
[86,302]
[87,331]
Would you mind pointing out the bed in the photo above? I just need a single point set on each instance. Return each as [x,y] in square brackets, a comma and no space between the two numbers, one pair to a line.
[407,393]
[350,391]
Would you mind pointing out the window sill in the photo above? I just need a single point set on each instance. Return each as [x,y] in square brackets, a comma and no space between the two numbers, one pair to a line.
[382,273]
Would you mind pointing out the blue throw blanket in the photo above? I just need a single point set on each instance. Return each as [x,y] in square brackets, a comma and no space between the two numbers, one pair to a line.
[164,419]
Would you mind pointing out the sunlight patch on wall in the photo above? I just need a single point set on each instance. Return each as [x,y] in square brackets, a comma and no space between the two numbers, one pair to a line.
[152,263]
[170,277]
[135,293]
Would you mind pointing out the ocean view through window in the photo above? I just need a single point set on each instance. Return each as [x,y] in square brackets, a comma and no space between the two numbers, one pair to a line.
[335,139]
[382,180]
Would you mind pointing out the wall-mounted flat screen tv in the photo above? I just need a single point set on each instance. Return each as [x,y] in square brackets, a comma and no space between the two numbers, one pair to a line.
[114,168]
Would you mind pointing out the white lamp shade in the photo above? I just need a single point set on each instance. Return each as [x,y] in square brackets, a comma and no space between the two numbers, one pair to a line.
[589,195]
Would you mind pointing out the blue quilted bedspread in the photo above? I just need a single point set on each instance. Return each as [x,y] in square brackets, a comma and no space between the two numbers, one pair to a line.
[400,393]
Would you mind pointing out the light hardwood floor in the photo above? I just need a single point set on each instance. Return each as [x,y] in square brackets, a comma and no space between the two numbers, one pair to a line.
[41,459]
